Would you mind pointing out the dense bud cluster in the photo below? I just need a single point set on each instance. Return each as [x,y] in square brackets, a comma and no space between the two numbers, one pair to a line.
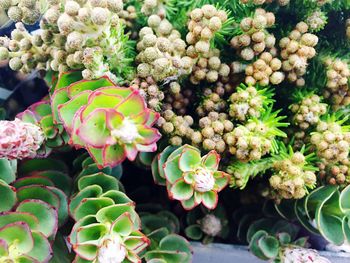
[247,102]
[296,49]
[213,101]
[316,21]
[83,35]
[307,111]
[176,99]
[255,39]
[162,52]
[264,71]
[209,68]
[176,128]
[19,139]
[128,16]
[150,91]
[334,174]
[203,24]
[338,73]
[26,11]
[337,89]
[261,2]
[332,142]
[291,179]
[150,7]
[212,132]
[249,142]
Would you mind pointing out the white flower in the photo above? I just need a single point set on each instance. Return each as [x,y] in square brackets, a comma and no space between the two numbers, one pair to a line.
[204,180]
[126,132]
[111,251]
[302,255]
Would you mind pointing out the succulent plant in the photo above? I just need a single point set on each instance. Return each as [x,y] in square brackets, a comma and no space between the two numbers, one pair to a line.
[40,114]
[207,225]
[112,123]
[166,246]
[190,178]
[19,140]
[107,226]
[325,211]
[268,238]
[30,217]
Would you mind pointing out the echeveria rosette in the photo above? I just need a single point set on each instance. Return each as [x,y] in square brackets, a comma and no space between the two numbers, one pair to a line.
[193,179]
[112,123]
[107,228]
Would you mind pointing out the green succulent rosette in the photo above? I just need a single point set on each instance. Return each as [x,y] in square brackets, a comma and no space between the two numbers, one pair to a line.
[107,226]
[112,123]
[165,245]
[34,210]
[190,178]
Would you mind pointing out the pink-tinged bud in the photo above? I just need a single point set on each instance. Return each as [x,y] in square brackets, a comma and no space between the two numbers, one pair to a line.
[19,139]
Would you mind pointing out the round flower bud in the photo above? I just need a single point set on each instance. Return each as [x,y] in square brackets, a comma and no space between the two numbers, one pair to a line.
[154,21]
[52,15]
[143,70]
[75,40]
[196,14]
[15,13]
[115,5]
[15,63]
[211,225]
[276,78]
[209,11]
[247,53]
[71,8]
[246,24]
[259,22]
[202,47]
[4,53]
[84,14]
[99,15]
[215,23]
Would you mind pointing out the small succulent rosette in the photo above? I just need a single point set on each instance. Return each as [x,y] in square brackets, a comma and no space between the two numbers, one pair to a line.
[107,227]
[112,123]
[190,178]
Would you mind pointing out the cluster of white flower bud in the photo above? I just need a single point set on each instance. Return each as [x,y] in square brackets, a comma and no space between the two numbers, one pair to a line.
[338,73]
[296,49]
[290,179]
[316,21]
[128,16]
[176,128]
[261,2]
[265,70]
[255,39]
[24,51]
[307,111]
[162,52]
[334,174]
[331,142]
[209,68]
[26,11]
[155,7]
[213,101]
[177,99]
[250,141]
[203,24]
[212,131]
[150,91]
[86,35]
[246,103]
